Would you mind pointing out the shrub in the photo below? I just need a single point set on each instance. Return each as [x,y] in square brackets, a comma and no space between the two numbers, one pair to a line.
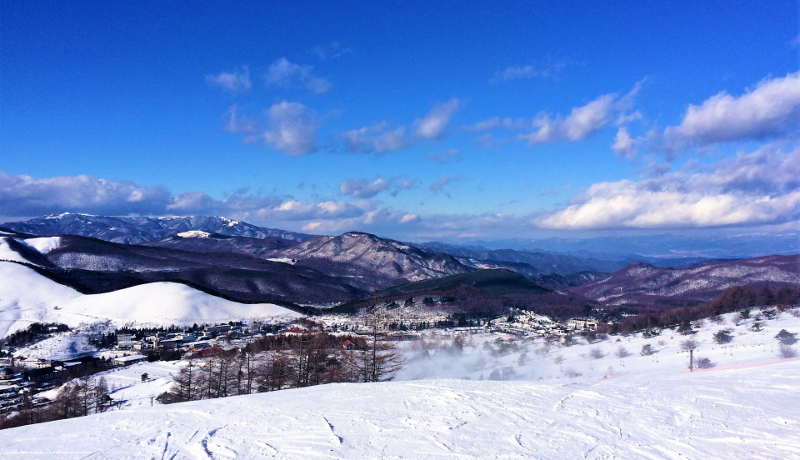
[723,336]
[785,337]
[647,350]
[596,353]
[689,344]
[622,352]
[704,363]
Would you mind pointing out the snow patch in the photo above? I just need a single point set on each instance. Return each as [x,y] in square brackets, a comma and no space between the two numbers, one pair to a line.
[44,244]
[194,234]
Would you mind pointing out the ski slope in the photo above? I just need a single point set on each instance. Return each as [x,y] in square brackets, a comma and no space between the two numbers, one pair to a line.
[26,297]
[738,413]
[635,407]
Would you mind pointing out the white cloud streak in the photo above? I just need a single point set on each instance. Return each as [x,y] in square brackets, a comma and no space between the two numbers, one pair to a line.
[433,125]
[762,187]
[770,110]
[362,188]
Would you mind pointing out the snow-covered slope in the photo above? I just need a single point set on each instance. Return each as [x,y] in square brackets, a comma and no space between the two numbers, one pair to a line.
[26,296]
[365,256]
[737,413]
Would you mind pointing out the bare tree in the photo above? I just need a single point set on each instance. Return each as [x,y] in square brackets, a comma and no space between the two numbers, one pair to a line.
[689,344]
[380,359]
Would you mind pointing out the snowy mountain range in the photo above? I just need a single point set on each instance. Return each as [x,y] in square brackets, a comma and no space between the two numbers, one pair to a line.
[644,284]
[246,263]
[134,230]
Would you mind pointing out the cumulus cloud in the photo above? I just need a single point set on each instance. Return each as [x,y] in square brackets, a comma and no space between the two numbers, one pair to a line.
[288,74]
[235,82]
[581,123]
[25,196]
[376,138]
[770,110]
[432,126]
[296,210]
[762,187]
[362,188]
[291,128]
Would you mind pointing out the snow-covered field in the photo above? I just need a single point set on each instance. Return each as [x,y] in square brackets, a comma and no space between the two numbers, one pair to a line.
[26,297]
[575,406]
[736,413]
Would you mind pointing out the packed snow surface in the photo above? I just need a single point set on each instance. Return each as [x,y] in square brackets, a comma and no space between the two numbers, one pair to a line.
[26,297]
[570,405]
[727,413]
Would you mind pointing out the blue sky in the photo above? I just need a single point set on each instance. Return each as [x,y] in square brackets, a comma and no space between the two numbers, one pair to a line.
[413,120]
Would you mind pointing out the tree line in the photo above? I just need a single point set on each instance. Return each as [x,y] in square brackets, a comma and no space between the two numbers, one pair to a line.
[733,299]
[77,398]
[287,361]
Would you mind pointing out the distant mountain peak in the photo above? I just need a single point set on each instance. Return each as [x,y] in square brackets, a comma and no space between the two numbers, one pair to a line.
[134,230]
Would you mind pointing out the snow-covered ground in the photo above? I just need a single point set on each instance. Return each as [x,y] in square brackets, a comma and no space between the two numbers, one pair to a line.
[26,297]
[575,406]
[732,413]
[484,357]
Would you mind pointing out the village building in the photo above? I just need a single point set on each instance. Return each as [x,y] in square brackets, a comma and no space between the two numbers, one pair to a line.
[128,360]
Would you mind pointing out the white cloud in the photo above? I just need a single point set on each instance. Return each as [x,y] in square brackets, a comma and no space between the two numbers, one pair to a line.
[238,124]
[331,51]
[581,123]
[296,210]
[772,109]
[511,124]
[444,181]
[432,126]
[288,74]
[362,188]
[236,81]
[758,188]
[624,145]
[292,128]
[376,138]
[548,69]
